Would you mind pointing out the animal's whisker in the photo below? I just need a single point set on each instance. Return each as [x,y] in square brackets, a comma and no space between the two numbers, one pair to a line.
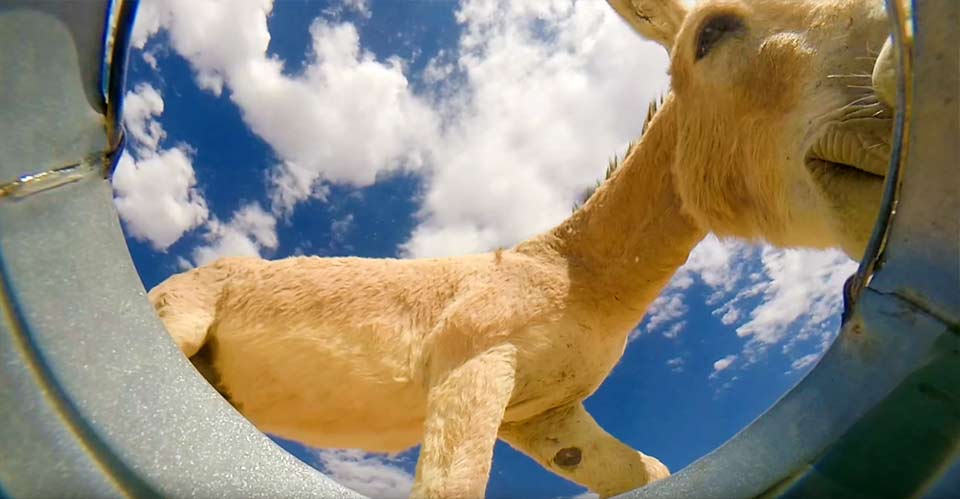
[862,102]
[865,100]
[850,76]
[866,87]
[873,111]
[864,108]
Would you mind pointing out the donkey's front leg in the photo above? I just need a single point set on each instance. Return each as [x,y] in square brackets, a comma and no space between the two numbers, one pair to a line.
[567,441]
[464,411]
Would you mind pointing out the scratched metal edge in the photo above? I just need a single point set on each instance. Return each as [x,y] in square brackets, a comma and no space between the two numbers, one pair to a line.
[54,416]
[921,254]
[668,481]
[903,443]
[111,467]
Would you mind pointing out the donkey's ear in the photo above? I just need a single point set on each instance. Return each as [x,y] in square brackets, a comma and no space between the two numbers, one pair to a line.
[657,20]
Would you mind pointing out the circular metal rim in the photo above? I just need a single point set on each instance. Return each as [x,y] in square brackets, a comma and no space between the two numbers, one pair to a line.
[818,426]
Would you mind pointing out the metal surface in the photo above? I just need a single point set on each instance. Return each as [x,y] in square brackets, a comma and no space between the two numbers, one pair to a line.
[95,400]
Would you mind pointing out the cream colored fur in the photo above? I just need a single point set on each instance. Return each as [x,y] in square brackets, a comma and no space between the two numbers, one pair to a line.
[770,115]
[382,354]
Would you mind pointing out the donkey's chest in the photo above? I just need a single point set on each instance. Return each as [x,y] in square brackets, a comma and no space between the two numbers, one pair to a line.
[560,366]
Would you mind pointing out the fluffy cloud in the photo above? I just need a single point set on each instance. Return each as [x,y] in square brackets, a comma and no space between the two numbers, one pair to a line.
[675,364]
[720,265]
[772,296]
[361,7]
[155,189]
[373,475]
[674,330]
[216,37]
[250,230]
[805,361]
[156,197]
[141,109]
[803,293]
[346,119]
[547,91]
[722,365]
[340,227]
[666,308]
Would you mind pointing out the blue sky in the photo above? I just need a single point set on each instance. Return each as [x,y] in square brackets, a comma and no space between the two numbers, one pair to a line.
[421,128]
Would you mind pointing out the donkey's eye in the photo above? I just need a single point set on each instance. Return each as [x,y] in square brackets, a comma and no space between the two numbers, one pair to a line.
[713,30]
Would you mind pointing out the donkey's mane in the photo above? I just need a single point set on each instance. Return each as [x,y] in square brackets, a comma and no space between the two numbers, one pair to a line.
[614,163]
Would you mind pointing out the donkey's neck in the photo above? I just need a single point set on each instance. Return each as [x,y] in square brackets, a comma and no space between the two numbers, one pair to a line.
[623,245]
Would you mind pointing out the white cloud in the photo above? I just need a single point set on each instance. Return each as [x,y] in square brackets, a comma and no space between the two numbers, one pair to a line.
[336,10]
[250,230]
[346,119]
[722,365]
[157,197]
[438,68]
[184,264]
[216,37]
[665,308]
[674,330]
[549,90]
[150,58]
[680,281]
[675,364]
[155,189]
[718,263]
[802,293]
[340,227]
[804,361]
[361,7]
[373,475]
[141,107]
[730,316]
[725,386]
[785,297]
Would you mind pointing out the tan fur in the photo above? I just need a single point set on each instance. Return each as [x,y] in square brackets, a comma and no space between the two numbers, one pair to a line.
[792,85]
[382,354]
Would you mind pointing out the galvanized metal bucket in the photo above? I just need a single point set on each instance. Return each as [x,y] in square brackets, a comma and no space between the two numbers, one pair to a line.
[95,400]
